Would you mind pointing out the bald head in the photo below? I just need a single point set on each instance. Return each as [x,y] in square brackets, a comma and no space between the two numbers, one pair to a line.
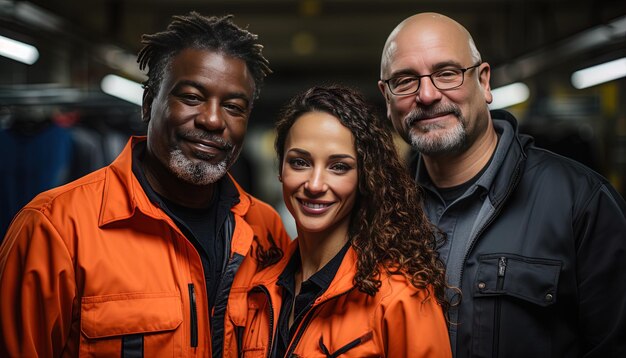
[430,30]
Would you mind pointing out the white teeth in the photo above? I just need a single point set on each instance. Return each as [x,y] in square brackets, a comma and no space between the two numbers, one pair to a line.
[313,205]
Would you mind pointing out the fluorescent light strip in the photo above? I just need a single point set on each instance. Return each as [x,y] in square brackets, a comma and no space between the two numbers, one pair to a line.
[18,51]
[595,75]
[122,88]
[509,95]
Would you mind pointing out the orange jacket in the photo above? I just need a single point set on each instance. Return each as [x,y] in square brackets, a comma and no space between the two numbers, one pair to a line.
[399,321]
[93,265]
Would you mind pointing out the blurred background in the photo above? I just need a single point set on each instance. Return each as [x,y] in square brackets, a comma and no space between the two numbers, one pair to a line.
[64,112]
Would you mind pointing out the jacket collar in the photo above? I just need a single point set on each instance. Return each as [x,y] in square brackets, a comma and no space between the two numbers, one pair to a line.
[508,176]
[344,278]
[341,283]
[123,193]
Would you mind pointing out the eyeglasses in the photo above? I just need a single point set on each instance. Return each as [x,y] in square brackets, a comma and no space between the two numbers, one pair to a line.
[447,79]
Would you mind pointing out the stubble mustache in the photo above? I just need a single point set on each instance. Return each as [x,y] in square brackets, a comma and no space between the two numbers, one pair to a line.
[192,135]
[421,113]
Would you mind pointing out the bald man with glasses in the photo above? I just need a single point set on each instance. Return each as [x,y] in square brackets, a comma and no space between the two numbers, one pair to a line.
[535,242]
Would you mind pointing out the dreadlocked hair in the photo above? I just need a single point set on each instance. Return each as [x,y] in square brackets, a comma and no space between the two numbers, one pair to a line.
[200,32]
[388,228]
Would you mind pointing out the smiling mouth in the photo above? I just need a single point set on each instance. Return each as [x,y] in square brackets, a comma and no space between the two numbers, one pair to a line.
[205,139]
[433,116]
[204,150]
[206,143]
[314,205]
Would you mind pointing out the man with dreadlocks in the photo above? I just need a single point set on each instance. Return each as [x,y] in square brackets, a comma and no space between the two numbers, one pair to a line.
[138,258]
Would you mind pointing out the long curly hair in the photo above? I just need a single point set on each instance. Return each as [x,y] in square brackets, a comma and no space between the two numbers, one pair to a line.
[388,227]
[200,32]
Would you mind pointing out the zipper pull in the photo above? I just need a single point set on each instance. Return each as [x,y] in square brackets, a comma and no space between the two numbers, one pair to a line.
[501,266]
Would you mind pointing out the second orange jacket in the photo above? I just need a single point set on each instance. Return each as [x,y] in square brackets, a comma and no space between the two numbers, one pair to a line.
[398,321]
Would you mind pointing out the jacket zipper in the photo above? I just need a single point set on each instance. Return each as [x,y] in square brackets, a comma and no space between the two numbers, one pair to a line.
[230,266]
[270,345]
[193,316]
[501,272]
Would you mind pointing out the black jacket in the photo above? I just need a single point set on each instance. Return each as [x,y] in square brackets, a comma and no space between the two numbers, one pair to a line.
[545,273]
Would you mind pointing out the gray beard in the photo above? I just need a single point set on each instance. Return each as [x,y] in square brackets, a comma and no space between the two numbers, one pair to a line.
[433,139]
[201,173]
[446,141]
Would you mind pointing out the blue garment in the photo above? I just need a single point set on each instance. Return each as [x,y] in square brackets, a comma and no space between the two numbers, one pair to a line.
[30,164]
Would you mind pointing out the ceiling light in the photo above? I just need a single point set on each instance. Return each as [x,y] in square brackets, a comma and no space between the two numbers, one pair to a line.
[18,51]
[595,75]
[122,88]
[509,95]
[303,43]
[121,61]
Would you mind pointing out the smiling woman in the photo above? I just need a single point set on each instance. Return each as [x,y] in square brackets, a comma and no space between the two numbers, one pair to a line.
[362,278]
[319,175]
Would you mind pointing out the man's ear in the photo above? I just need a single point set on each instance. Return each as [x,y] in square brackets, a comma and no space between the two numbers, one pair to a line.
[381,87]
[146,105]
[484,76]
[387,95]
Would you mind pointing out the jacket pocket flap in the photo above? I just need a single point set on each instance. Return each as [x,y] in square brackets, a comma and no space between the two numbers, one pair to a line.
[132,313]
[530,279]
[237,306]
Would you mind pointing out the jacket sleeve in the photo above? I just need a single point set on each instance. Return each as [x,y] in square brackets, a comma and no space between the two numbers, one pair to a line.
[38,288]
[414,326]
[600,232]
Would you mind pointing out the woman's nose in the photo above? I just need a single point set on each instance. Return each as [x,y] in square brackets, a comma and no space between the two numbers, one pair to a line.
[316,182]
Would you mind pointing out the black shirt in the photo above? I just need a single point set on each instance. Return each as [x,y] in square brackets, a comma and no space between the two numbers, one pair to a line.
[204,227]
[310,290]
[449,195]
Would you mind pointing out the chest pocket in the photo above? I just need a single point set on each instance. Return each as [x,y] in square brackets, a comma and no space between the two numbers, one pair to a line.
[510,292]
[532,280]
[355,348]
[134,325]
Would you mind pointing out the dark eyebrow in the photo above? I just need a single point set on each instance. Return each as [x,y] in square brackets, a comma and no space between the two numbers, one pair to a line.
[299,151]
[194,84]
[200,87]
[437,67]
[342,156]
[442,65]
[334,156]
